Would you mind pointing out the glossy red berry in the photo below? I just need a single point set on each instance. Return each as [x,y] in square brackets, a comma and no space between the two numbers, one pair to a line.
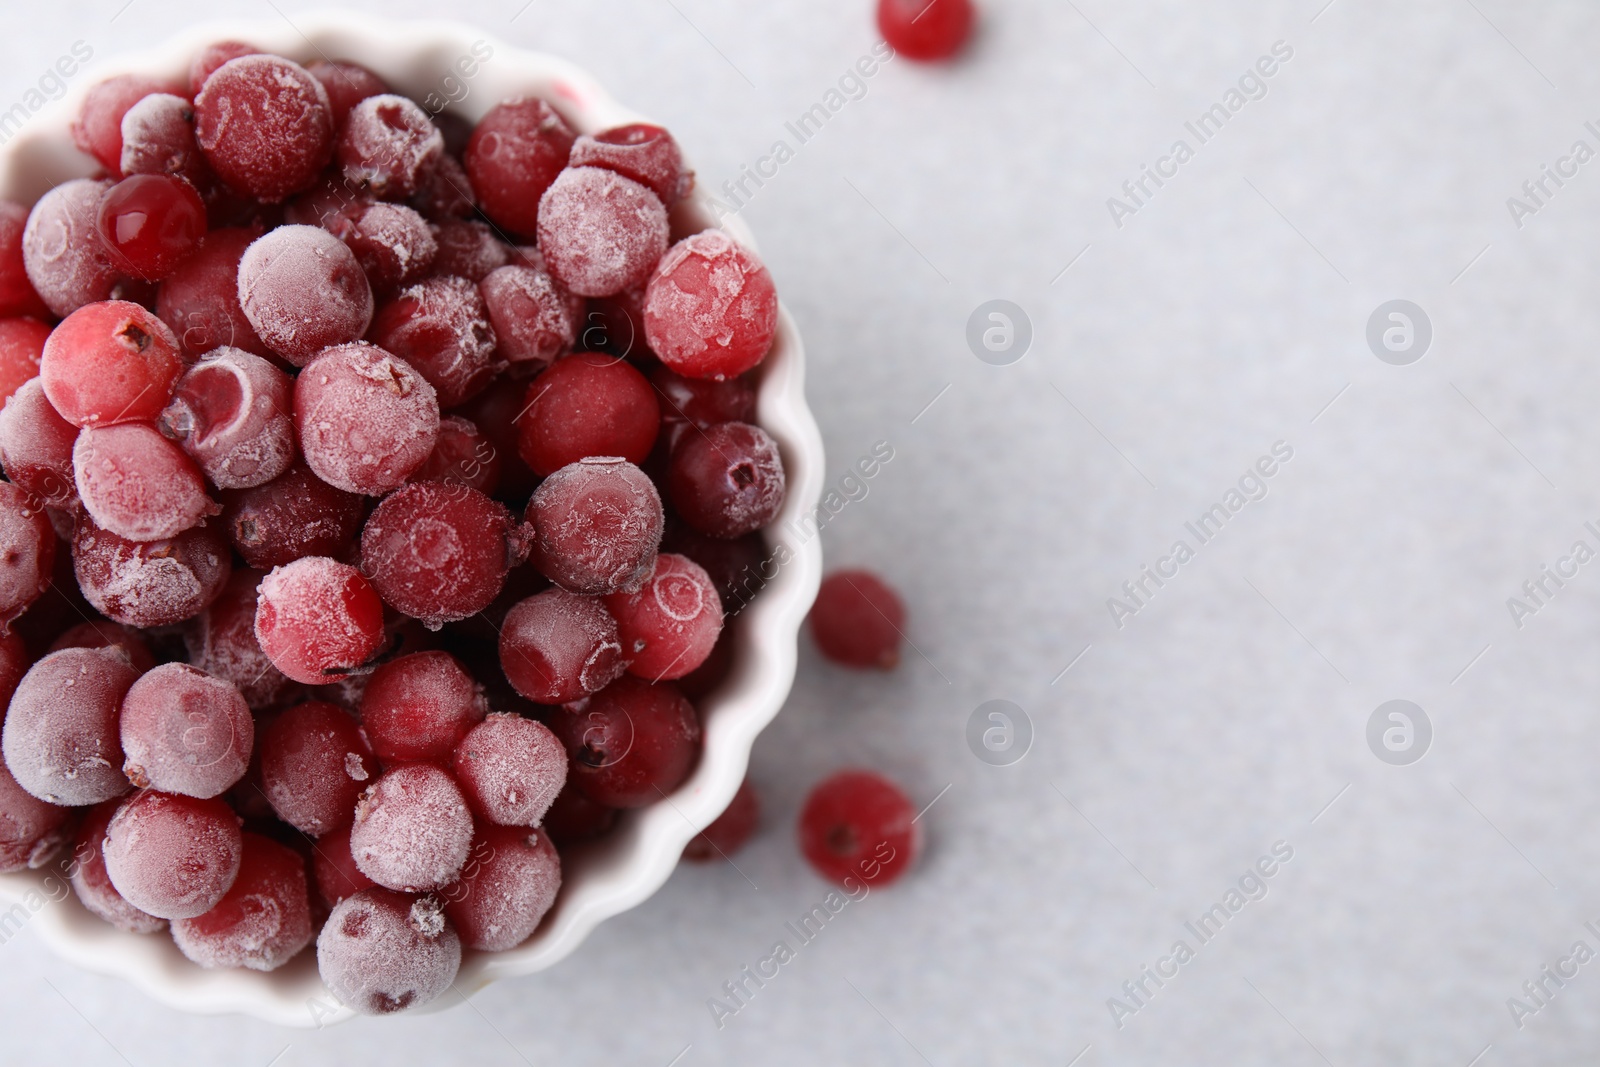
[110,362]
[926,29]
[151,222]
[859,827]
[669,625]
[858,620]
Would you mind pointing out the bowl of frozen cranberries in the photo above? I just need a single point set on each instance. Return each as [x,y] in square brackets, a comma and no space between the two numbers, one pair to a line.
[398,461]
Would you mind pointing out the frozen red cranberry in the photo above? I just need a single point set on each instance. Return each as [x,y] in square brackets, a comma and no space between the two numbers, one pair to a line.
[318,619]
[61,737]
[394,245]
[222,642]
[516,151]
[32,831]
[467,249]
[711,310]
[172,856]
[22,343]
[137,484]
[600,233]
[199,300]
[98,128]
[439,552]
[412,829]
[346,83]
[727,480]
[314,766]
[16,291]
[574,818]
[558,647]
[15,660]
[150,583]
[302,290]
[231,414]
[184,731]
[494,412]
[859,826]
[265,126]
[510,769]
[858,620]
[334,869]
[445,191]
[596,526]
[367,420]
[262,921]
[530,312]
[212,56]
[381,952]
[110,362]
[27,552]
[587,405]
[151,222]
[440,327]
[631,744]
[739,567]
[668,626]
[36,446]
[701,402]
[418,707]
[125,641]
[640,151]
[463,455]
[727,833]
[158,138]
[925,30]
[508,884]
[91,882]
[296,514]
[333,204]
[387,144]
[65,260]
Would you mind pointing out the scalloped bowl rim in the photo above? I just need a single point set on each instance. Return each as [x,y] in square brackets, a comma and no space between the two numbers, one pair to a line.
[601,879]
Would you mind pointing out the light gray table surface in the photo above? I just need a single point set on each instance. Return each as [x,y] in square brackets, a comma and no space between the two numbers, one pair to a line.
[1226,314]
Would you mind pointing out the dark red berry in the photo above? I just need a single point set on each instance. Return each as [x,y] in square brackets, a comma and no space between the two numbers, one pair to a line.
[587,405]
[296,514]
[631,744]
[858,620]
[419,707]
[151,222]
[265,125]
[728,480]
[440,327]
[859,827]
[925,30]
[640,151]
[315,764]
[596,526]
[727,833]
[516,151]
[557,647]
[199,300]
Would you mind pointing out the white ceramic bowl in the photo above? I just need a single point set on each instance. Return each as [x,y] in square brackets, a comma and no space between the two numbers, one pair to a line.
[606,877]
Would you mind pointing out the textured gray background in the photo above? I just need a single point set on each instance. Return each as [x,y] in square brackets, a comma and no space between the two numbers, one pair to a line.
[1223,317]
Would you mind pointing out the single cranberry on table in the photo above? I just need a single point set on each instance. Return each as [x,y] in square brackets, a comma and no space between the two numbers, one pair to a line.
[858,620]
[263,920]
[558,646]
[859,826]
[110,362]
[265,126]
[583,405]
[711,310]
[381,952]
[510,769]
[65,260]
[184,731]
[296,514]
[596,526]
[62,739]
[668,626]
[630,744]
[173,856]
[90,880]
[510,880]
[97,129]
[36,446]
[158,138]
[729,831]
[640,151]
[199,301]
[926,30]
[412,829]
[302,290]
[515,153]
[318,619]
[315,764]
[231,413]
[137,484]
[150,583]
[366,419]
[728,480]
[417,708]
[151,223]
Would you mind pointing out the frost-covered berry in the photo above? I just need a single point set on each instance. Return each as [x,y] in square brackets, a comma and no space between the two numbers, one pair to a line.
[138,484]
[597,524]
[262,921]
[381,952]
[367,420]
[558,646]
[265,125]
[600,232]
[412,829]
[232,413]
[711,310]
[62,740]
[318,619]
[173,856]
[510,769]
[184,731]
[314,766]
[508,884]
[302,289]
[65,259]
[150,583]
